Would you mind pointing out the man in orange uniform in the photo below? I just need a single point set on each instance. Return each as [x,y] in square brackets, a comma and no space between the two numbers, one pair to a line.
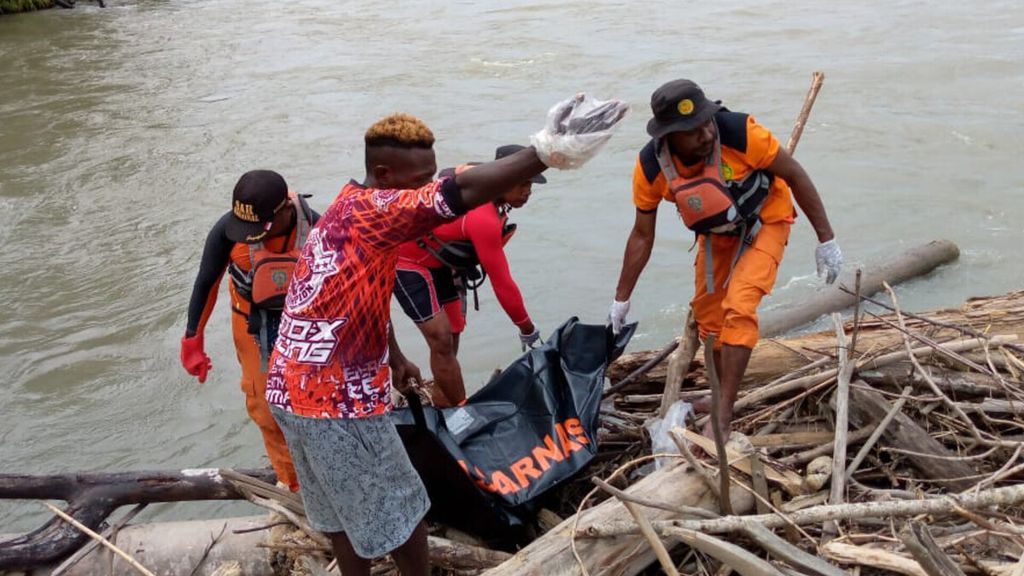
[426,283]
[732,184]
[336,358]
[266,225]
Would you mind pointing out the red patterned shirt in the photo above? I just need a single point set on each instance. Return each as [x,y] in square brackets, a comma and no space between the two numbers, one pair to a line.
[331,356]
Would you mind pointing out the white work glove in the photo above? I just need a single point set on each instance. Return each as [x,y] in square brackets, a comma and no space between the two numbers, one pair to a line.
[576,130]
[531,340]
[829,258]
[617,315]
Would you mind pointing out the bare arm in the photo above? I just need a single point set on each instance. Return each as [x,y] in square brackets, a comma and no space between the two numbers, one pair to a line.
[488,181]
[806,195]
[403,372]
[638,251]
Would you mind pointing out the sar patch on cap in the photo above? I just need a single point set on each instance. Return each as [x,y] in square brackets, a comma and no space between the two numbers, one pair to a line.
[245,212]
[685,107]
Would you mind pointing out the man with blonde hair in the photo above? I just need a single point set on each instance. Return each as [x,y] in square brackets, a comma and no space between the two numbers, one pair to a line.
[336,356]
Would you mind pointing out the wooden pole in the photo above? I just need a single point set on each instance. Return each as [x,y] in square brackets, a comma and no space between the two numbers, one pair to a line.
[644,524]
[1003,497]
[877,433]
[642,370]
[141,569]
[679,364]
[91,497]
[175,548]
[867,406]
[716,402]
[817,79]
[108,533]
[837,494]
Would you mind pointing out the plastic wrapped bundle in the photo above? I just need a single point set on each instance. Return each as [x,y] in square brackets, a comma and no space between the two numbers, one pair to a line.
[577,129]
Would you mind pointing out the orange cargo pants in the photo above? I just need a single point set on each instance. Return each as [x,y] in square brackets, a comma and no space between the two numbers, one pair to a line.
[254,384]
[730,311]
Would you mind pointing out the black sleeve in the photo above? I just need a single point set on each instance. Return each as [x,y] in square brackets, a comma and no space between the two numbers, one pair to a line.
[216,255]
[649,161]
[452,194]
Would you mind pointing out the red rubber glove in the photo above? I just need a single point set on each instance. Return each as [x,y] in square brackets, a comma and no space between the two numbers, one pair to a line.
[193,358]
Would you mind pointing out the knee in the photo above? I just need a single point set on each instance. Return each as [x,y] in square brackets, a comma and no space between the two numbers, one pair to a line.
[440,342]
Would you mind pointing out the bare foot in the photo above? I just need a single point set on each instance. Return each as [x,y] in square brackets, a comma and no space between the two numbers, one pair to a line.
[709,432]
[702,406]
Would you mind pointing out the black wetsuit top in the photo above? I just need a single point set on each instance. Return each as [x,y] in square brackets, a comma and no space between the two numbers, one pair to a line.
[216,257]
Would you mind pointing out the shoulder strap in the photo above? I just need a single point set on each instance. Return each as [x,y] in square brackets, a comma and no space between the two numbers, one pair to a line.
[668,168]
[303,221]
[253,249]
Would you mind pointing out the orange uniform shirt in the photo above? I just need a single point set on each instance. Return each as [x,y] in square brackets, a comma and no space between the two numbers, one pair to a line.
[746,146]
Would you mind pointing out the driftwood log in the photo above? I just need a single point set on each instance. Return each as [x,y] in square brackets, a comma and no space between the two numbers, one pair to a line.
[200,547]
[777,357]
[914,262]
[675,486]
[93,497]
[930,457]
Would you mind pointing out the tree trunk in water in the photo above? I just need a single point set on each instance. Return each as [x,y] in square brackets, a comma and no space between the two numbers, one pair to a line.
[915,262]
[93,497]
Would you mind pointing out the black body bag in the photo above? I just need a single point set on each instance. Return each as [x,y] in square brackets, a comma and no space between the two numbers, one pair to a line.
[531,428]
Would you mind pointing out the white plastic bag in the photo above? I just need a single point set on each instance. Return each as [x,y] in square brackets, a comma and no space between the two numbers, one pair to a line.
[657,429]
[577,129]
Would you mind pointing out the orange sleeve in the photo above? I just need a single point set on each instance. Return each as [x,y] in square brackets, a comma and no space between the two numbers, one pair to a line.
[645,196]
[762,146]
[211,301]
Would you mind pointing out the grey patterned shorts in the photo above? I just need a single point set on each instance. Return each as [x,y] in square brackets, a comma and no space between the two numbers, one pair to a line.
[355,477]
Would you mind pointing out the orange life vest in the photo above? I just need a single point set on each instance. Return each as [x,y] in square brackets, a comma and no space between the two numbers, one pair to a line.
[265,284]
[710,204]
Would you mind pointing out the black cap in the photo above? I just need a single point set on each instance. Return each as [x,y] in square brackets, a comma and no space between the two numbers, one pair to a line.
[678,106]
[510,149]
[258,195]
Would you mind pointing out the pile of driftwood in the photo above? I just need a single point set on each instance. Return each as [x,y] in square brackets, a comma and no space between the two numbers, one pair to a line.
[893,445]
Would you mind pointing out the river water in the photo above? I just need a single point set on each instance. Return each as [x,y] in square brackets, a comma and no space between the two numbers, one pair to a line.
[122,131]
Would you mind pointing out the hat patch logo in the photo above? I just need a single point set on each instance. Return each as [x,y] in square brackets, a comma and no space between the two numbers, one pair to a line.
[727,172]
[685,107]
[245,212]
